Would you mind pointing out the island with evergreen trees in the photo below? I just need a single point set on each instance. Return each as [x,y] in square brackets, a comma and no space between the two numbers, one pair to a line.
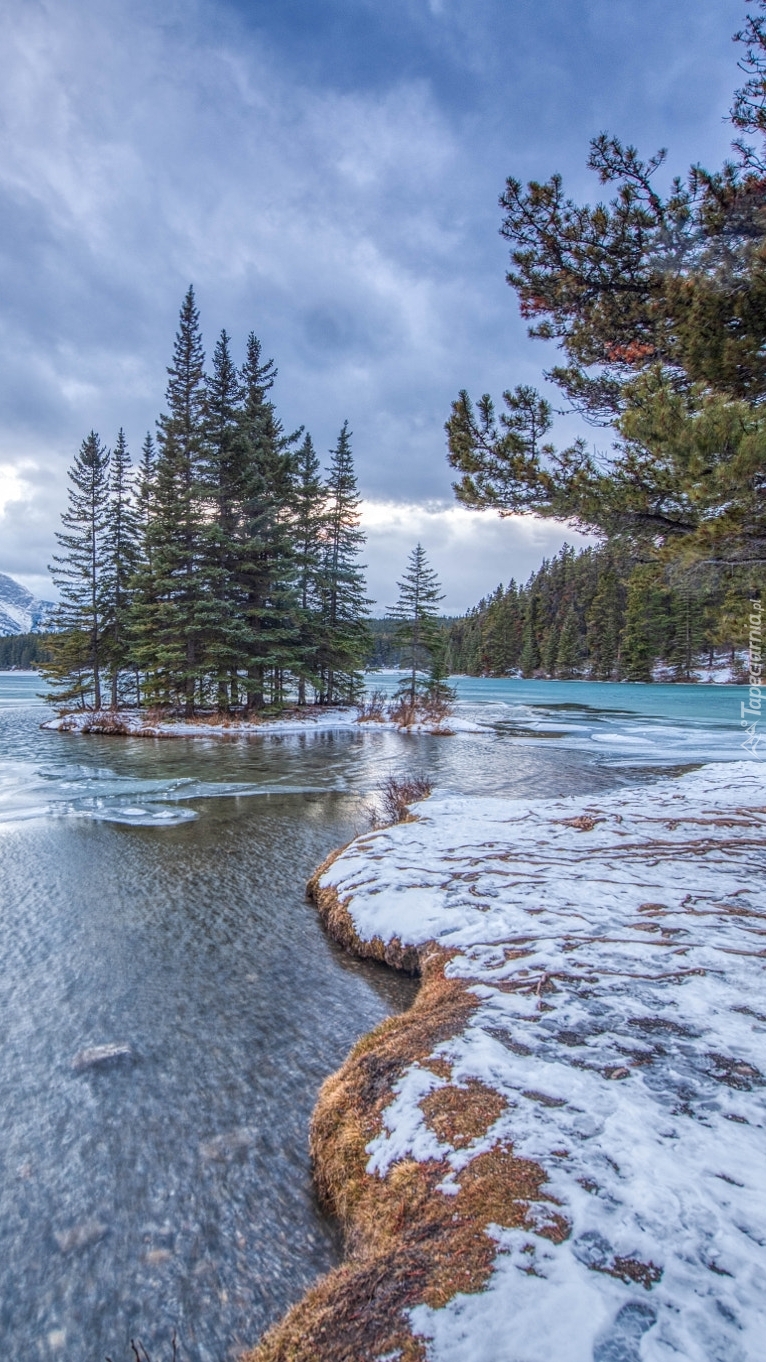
[218,586]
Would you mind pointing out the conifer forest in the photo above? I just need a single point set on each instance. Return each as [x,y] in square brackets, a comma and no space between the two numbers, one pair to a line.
[602,615]
[223,571]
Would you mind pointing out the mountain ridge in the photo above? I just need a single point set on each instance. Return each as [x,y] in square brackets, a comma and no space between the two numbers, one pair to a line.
[20,611]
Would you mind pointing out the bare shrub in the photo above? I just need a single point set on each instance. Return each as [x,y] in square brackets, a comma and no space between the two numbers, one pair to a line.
[404,712]
[428,708]
[372,709]
[397,795]
[436,710]
[106,723]
[141,1355]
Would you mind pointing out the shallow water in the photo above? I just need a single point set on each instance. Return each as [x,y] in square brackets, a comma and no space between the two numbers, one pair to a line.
[151,895]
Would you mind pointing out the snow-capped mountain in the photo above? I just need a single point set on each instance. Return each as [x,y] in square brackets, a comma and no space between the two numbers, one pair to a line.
[20,611]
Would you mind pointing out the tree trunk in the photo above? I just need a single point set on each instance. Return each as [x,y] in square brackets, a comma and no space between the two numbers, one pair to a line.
[189,686]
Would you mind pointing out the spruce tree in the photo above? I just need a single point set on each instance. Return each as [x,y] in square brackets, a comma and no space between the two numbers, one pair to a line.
[145,482]
[603,625]
[308,528]
[345,638]
[120,560]
[416,614]
[645,627]
[78,647]
[266,568]
[226,486]
[569,651]
[174,611]
[530,650]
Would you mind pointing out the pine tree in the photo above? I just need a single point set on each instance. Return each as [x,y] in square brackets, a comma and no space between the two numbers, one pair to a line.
[645,622]
[530,651]
[78,647]
[308,527]
[120,561]
[174,611]
[657,305]
[416,614]
[603,626]
[267,568]
[344,636]
[226,485]
[569,652]
[145,485]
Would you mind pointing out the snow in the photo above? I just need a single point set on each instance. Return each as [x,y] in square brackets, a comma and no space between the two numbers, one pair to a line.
[617,947]
[722,671]
[136,723]
[20,611]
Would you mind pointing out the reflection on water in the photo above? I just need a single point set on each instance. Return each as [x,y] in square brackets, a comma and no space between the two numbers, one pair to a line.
[151,897]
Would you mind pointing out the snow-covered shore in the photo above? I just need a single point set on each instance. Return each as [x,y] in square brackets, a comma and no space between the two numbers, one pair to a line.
[138,724]
[571,1166]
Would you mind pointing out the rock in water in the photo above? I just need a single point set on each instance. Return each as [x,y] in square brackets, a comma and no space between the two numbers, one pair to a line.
[80,1236]
[99,1056]
[231,1143]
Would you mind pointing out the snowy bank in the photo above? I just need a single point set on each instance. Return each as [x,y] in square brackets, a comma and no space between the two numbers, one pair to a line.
[139,724]
[559,1152]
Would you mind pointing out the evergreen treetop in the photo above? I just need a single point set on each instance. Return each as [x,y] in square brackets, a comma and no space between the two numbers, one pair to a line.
[416,614]
[658,303]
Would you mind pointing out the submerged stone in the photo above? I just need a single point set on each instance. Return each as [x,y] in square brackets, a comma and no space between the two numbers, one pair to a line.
[232,1142]
[100,1056]
[80,1236]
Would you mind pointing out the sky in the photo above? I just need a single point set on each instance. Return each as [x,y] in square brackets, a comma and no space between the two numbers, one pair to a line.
[326,173]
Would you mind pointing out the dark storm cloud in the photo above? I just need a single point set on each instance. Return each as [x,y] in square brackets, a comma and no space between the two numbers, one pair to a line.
[328,174]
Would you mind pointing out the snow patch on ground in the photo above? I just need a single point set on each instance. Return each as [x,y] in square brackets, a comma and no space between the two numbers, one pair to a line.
[617,946]
[722,672]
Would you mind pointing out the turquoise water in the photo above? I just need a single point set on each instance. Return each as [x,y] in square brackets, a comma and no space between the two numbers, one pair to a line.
[622,724]
[679,702]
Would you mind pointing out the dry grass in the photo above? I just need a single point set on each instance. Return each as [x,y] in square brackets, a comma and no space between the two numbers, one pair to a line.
[339,924]
[397,795]
[106,723]
[406,1242]
[424,709]
[373,708]
[460,1115]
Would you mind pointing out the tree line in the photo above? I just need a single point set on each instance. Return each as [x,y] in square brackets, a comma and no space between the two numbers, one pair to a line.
[605,616]
[223,572]
[24,651]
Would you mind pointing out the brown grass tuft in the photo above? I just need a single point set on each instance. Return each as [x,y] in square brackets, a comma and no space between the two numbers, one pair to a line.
[105,723]
[460,1115]
[397,795]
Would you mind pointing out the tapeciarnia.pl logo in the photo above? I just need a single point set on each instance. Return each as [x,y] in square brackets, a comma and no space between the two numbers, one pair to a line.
[751,712]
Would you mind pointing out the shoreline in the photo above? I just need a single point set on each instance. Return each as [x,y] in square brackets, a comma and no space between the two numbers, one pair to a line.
[567,1126]
[314,719]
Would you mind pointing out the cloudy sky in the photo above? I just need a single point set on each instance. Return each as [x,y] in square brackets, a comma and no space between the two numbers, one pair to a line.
[325,172]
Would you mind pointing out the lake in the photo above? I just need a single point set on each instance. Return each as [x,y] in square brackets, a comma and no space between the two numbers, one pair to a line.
[152,897]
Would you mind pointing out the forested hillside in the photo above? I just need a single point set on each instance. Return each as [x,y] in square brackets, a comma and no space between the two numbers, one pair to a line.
[602,615]
[24,651]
